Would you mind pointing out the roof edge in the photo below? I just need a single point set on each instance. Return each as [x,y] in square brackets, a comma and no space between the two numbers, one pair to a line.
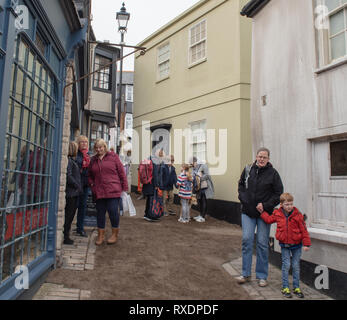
[253,7]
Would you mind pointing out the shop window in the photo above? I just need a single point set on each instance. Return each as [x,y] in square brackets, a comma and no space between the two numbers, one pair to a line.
[26,179]
[99,130]
[338,158]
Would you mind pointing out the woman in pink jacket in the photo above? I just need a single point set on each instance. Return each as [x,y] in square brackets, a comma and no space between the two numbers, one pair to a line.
[107,180]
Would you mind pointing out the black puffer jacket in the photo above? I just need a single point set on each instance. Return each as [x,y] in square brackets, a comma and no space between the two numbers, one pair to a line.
[264,186]
[73,179]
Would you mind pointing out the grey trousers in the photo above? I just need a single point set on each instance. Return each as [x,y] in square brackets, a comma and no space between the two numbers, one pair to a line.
[185,209]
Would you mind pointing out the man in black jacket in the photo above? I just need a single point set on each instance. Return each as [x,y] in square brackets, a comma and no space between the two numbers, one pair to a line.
[260,187]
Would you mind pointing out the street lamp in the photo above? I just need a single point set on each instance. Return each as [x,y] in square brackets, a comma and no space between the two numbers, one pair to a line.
[122,18]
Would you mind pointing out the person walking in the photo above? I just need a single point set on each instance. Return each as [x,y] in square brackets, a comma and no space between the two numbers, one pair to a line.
[293,236]
[107,180]
[72,192]
[259,187]
[205,188]
[184,183]
[83,160]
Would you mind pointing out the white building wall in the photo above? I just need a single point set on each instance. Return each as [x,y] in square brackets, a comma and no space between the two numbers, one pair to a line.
[302,107]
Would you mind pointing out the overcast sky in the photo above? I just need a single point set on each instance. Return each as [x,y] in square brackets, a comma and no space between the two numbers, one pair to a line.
[146,16]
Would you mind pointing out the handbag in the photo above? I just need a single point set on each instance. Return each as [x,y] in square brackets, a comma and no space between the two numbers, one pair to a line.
[132,210]
[203,184]
[156,208]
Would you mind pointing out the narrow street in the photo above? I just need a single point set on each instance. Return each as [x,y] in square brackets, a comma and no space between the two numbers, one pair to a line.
[164,260]
[159,260]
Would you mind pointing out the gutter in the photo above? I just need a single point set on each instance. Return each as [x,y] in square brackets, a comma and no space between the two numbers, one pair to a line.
[253,7]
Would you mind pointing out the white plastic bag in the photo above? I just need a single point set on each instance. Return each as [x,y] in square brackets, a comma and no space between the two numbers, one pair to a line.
[124,198]
[132,210]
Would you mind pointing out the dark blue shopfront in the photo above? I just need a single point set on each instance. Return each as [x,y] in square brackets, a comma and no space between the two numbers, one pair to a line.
[37,39]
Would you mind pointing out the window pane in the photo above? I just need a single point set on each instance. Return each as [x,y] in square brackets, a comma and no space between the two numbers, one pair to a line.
[338,156]
[338,46]
[332,4]
[337,22]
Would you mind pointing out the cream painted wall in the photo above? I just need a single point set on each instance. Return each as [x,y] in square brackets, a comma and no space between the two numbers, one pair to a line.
[217,89]
[100,101]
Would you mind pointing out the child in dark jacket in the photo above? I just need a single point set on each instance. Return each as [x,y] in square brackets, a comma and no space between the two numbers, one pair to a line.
[292,236]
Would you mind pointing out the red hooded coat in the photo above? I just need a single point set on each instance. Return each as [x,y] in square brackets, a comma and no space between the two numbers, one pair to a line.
[291,229]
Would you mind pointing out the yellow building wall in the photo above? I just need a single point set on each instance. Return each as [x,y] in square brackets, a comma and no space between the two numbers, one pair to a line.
[216,90]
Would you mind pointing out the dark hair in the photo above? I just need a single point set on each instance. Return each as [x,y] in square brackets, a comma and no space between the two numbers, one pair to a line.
[264,149]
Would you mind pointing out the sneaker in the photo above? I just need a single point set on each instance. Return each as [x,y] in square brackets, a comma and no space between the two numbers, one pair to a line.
[82,234]
[286,292]
[200,219]
[262,283]
[242,279]
[298,293]
[172,212]
[150,219]
[180,219]
[166,214]
[197,217]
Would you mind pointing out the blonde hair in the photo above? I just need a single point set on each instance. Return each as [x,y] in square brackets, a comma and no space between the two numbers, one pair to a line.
[286,197]
[186,168]
[100,142]
[73,149]
[81,138]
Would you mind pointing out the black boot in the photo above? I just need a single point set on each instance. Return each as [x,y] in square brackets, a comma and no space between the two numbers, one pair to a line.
[68,241]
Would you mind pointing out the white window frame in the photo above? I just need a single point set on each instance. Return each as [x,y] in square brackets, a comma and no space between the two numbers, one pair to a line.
[203,141]
[166,61]
[129,93]
[324,38]
[196,43]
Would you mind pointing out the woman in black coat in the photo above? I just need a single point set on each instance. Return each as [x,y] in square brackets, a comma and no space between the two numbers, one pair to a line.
[73,190]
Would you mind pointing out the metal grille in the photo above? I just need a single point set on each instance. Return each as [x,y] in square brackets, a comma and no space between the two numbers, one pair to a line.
[26,177]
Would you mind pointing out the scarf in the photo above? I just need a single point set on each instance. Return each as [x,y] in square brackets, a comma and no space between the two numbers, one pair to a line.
[86,158]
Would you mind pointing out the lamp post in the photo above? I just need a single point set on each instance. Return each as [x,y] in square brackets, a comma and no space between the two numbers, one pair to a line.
[122,18]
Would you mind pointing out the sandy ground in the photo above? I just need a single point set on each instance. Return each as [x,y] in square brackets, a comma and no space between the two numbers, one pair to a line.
[162,260]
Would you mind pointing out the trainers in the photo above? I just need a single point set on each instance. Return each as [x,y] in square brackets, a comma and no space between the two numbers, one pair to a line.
[242,279]
[180,219]
[197,217]
[166,214]
[200,219]
[262,283]
[150,219]
[286,292]
[298,293]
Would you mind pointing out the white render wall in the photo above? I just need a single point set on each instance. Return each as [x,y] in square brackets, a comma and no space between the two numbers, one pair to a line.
[303,107]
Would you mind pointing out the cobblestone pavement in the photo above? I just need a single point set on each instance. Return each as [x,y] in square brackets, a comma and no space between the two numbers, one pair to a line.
[273,290]
[80,256]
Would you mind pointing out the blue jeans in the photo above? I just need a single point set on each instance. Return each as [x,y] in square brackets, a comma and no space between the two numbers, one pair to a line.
[111,206]
[296,255]
[262,246]
[82,206]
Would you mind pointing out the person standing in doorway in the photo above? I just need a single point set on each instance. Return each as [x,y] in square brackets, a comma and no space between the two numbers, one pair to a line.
[83,160]
[260,188]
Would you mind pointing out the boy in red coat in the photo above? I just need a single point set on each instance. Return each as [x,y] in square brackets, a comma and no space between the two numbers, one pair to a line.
[292,235]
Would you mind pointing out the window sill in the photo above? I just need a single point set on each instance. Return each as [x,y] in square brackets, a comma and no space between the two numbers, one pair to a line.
[328,235]
[332,65]
[197,63]
[162,79]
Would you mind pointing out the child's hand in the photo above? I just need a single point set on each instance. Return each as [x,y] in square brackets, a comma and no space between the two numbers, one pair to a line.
[306,248]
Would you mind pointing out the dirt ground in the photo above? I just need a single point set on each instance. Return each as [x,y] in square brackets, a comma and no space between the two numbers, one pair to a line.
[162,260]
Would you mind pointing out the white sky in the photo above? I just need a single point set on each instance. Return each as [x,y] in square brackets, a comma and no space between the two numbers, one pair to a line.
[146,16]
